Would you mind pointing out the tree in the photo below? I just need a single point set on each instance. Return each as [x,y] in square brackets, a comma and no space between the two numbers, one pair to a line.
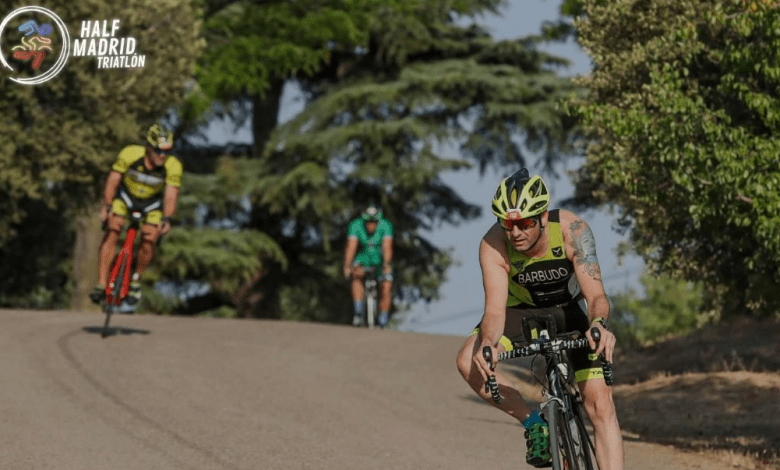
[62,136]
[669,307]
[388,90]
[683,110]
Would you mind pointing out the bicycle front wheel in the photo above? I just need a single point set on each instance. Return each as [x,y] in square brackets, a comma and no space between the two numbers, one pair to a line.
[370,310]
[562,443]
[583,446]
[116,292]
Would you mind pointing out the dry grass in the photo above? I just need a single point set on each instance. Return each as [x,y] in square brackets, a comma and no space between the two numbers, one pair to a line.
[716,390]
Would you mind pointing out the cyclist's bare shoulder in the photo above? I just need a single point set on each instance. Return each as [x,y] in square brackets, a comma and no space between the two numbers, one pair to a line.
[492,248]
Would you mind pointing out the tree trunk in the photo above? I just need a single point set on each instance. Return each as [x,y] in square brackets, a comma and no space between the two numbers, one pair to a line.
[259,297]
[85,261]
[265,116]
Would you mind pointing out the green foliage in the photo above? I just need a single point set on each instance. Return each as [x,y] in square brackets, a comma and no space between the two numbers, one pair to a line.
[59,138]
[222,258]
[669,307]
[390,88]
[684,112]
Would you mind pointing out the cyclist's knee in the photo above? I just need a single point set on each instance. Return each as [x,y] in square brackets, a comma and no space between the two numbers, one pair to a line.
[115,223]
[150,233]
[463,359]
[357,271]
[110,236]
[597,399]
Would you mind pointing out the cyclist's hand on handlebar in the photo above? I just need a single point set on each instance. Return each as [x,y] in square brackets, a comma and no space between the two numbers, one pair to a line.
[105,211]
[485,369]
[164,226]
[606,344]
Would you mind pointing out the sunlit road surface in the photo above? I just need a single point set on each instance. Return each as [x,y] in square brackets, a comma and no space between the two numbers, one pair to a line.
[184,393]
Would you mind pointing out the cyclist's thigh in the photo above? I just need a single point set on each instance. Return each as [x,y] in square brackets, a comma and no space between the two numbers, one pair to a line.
[357,270]
[118,207]
[153,217]
[595,391]
[150,232]
[504,343]
[115,222]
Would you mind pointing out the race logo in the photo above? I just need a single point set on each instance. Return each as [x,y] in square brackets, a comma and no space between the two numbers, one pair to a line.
[34,45]
[101,41]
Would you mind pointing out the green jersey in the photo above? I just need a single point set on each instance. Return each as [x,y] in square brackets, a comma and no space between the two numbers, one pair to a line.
[369,245]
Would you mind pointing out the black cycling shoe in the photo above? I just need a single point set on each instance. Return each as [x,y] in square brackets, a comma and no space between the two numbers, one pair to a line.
[98,295]
[134,293]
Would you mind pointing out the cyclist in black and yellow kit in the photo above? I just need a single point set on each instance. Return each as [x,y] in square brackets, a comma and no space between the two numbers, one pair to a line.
[144,178]
[536,260]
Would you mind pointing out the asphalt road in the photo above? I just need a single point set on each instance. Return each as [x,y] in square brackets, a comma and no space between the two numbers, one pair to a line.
[203,394]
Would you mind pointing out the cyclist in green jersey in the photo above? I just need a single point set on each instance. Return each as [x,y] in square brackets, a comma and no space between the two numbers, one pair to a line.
[370,244]
[539,261]
[143,178]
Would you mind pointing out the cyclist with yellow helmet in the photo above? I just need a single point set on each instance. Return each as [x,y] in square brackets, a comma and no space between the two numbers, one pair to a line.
[143,177]
[536,260]
[370,244]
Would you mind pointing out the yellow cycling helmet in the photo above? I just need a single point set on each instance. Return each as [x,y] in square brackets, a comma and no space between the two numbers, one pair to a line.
[524,195]
[159,137]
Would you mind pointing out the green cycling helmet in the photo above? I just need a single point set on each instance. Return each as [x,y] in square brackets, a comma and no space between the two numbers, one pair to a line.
[160,137]
[522,195]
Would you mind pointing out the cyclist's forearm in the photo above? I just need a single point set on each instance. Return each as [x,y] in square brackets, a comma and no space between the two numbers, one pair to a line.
[170,200]
[598,307]
[350,252]
[491,328]
[387,250]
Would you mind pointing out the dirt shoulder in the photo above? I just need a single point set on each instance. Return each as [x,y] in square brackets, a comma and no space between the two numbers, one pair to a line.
[716,390]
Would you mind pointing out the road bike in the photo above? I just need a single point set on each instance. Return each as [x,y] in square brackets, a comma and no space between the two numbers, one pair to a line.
[570,444]
[371,295]
[118,285]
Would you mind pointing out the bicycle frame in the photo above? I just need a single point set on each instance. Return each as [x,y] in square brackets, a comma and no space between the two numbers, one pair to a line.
[126,256]
[118,285]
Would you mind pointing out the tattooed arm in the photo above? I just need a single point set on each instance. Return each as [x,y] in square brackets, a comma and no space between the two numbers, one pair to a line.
[581,251]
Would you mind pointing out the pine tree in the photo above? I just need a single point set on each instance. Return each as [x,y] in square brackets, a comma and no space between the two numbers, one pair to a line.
[391,88]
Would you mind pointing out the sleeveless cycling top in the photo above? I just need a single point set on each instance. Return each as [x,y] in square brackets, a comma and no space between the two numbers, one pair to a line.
[542,282]
[141,182]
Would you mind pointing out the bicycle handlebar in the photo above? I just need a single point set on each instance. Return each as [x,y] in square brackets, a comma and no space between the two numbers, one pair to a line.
[555,345]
